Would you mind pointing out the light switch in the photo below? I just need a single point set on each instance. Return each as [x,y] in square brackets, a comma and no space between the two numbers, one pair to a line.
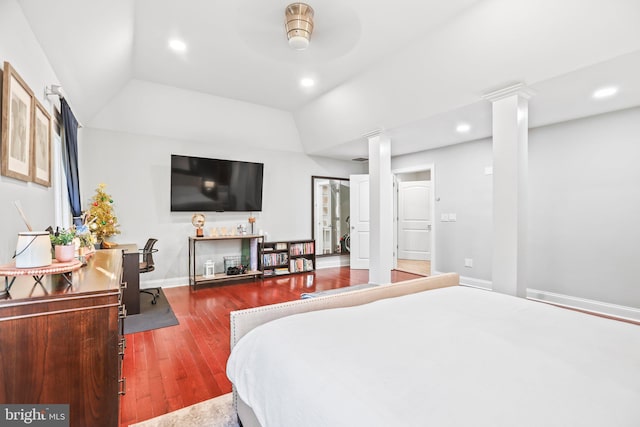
[488,170]
[453,217]
[444,217]
[468,262]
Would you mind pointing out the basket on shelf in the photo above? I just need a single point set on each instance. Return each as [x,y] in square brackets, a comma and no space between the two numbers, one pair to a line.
[236,264]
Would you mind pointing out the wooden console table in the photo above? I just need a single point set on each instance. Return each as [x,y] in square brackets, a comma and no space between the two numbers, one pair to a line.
[61,343]
[195,279]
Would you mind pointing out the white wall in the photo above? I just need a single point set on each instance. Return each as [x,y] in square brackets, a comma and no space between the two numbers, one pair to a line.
[585,208]
[584,185]
[136,169]
[20,48]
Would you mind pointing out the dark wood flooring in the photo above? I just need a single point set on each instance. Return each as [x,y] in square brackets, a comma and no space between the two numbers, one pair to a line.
[171,368]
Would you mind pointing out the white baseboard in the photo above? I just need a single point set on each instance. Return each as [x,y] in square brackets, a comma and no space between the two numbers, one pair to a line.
[173,282]
[470,281]
[332,261]
[598,307]
[613,310]
[476,283]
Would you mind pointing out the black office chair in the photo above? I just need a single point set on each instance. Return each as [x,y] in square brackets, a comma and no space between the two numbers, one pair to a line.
[147,265]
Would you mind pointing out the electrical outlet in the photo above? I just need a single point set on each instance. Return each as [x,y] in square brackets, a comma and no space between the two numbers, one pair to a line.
[453,217]
[488,170]
[444,217]
[468,262]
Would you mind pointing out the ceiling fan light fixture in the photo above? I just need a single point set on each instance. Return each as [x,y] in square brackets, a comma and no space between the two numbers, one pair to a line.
[299,25]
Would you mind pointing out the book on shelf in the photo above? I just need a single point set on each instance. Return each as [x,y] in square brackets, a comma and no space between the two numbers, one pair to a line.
[302,248]
[300,264]
[269,260]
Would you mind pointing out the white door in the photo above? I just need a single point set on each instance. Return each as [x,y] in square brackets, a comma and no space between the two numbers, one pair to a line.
[359,233]
[414,220]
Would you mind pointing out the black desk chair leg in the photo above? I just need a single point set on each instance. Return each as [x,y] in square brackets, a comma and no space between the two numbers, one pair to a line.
[147,265]
[154,292]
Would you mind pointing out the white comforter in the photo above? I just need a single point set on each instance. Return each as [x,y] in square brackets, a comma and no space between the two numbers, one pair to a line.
[449,357]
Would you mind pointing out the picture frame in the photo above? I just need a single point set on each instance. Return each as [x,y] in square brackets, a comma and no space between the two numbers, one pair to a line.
[41,150]
[16,127]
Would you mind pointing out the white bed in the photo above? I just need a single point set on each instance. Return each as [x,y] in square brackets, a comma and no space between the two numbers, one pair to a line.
[455,356]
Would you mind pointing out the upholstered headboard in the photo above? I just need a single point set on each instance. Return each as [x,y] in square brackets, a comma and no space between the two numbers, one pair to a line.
[242,321]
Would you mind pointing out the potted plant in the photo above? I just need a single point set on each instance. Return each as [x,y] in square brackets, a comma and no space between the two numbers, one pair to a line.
[85,240]
[64,247]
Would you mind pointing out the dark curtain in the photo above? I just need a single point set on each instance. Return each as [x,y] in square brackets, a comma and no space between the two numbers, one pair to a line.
[70,154]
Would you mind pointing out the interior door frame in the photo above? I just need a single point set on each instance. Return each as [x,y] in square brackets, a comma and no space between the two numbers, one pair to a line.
[418,168]
[395,220]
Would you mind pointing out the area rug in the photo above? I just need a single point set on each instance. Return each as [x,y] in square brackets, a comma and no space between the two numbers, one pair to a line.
[152,316]
[216,412]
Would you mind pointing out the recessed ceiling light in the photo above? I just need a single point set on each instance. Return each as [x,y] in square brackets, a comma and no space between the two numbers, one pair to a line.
[605,92]
[307,82]
[177,45]
[463,128]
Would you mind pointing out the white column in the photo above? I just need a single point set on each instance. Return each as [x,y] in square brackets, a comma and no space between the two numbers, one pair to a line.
[510,176]
[380,210]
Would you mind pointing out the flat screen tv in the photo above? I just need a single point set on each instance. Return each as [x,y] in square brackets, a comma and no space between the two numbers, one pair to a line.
[200,184]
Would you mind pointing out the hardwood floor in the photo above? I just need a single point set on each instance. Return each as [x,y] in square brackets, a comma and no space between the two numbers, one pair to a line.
[414,266]
[170,368]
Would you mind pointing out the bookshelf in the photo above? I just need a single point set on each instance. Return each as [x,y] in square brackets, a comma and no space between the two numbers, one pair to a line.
[288,257]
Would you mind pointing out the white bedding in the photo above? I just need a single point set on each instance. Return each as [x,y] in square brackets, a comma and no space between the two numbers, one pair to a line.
[448,357]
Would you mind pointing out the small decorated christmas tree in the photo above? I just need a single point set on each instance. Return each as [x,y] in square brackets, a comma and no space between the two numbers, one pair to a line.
[100,216]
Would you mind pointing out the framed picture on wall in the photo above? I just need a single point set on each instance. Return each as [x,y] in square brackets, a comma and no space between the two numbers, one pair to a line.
[41,150]
[17,111]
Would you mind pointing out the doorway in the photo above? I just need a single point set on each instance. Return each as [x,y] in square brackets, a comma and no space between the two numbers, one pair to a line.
[414,221]
[416,227]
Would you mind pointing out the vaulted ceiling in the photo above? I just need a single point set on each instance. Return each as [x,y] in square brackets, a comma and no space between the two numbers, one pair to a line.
[414,68]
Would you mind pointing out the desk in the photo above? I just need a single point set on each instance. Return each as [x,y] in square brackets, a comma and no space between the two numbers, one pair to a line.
[130,276]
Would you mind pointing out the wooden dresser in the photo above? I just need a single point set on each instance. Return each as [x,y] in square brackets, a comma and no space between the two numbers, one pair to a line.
[62,343]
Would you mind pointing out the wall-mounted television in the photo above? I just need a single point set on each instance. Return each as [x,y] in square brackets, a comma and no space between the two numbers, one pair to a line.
[201,184]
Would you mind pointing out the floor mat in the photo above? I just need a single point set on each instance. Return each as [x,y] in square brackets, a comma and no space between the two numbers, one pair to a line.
[152,316]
